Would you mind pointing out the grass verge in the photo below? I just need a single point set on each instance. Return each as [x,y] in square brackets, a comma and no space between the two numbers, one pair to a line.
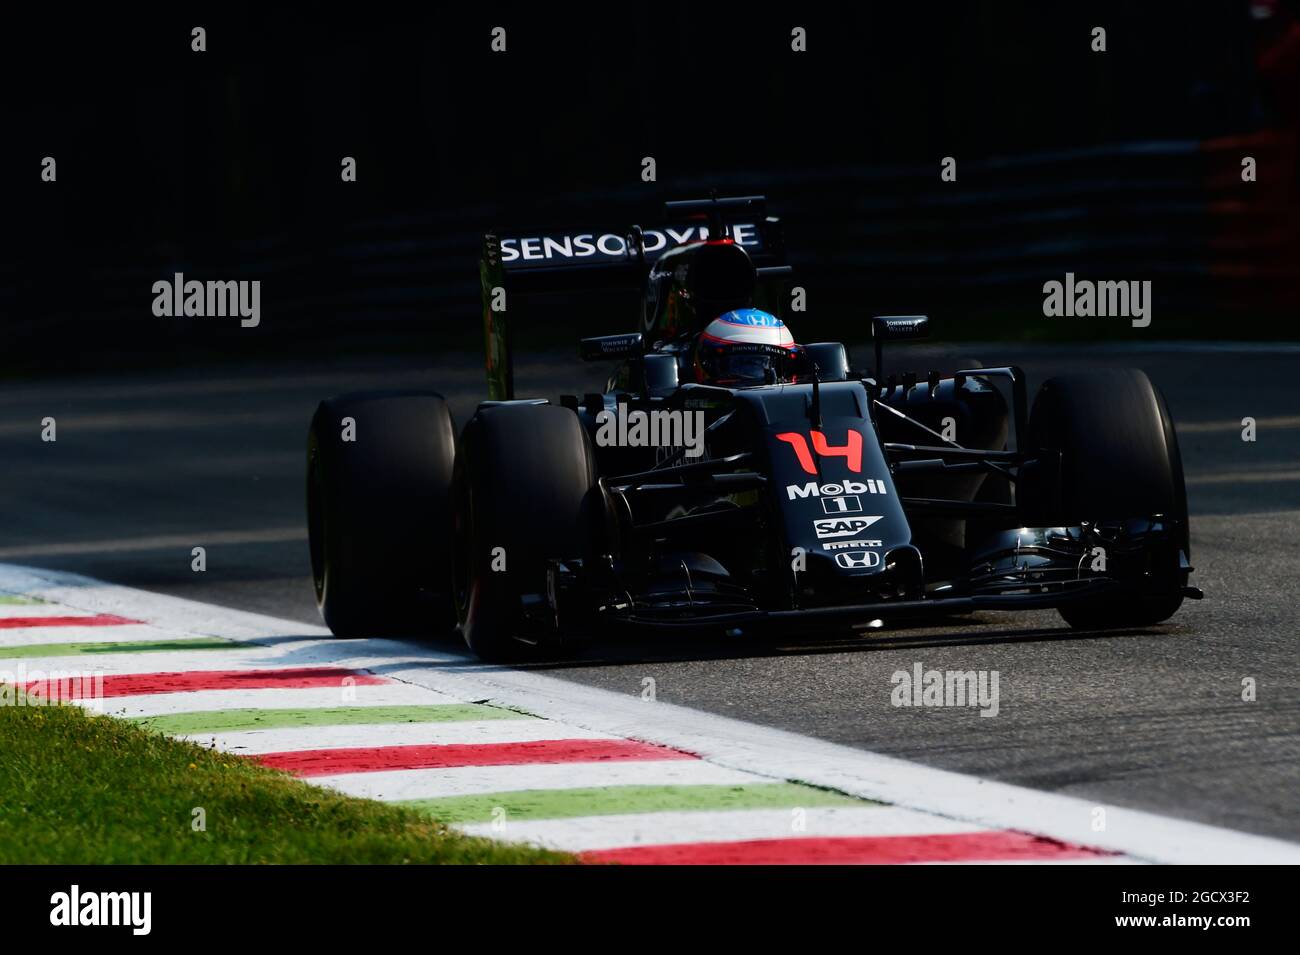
[82,789]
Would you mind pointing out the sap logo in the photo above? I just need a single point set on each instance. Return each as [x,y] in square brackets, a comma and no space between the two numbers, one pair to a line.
[811,489]
[858,560]
[843,527]
[844,545]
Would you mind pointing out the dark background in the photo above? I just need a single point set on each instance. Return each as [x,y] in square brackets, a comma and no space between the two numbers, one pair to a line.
[1122,165]
[225,164]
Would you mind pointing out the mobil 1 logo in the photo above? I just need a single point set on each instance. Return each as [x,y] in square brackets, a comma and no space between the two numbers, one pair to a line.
[836,497]
[795,492]
[845,504]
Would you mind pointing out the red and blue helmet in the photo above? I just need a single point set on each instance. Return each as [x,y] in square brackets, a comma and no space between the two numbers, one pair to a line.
[746,346]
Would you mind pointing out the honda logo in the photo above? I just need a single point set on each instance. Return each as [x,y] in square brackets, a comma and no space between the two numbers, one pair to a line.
[858,560]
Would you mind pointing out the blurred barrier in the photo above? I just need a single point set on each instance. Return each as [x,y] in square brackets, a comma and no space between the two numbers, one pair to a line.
[1254,248]
[862,241]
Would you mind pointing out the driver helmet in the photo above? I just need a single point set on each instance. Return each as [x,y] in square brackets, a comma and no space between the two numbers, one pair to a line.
[746,346]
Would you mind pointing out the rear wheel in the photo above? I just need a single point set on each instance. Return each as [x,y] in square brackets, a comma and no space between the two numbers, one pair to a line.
[379,468]
[1119,460]
[526,494]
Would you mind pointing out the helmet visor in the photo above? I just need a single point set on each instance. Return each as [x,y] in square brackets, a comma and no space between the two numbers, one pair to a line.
[746,369]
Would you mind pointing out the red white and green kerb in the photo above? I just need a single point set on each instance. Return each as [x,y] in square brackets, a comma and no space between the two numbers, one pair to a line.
[484,769]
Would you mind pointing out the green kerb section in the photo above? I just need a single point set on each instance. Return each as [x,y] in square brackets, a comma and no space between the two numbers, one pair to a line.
[15,599]
[124,646]
[222,721]
[614,800]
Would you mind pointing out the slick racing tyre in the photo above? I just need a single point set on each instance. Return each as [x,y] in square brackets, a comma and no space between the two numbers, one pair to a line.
[525,493]
[379,468]
[1118,460]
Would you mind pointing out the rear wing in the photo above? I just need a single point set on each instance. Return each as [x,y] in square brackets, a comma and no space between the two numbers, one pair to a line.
[522,263]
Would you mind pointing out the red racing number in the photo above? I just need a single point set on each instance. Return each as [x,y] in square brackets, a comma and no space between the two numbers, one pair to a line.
[850,451]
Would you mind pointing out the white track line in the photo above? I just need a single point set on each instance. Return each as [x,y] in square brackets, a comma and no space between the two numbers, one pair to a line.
[84,593]
[289,739]
[1244,477]
[180,542]
[731,825]
[38,610]
[1100,860]
[135,662]
[275,654]
[113,633]
[200,701]
[724,741]
[1282,422]
[400,784]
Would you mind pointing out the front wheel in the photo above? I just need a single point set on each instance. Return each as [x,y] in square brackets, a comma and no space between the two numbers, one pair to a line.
[1119,461]
[525,494]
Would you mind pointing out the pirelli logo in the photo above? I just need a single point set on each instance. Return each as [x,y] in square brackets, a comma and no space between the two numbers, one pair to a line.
[844,545]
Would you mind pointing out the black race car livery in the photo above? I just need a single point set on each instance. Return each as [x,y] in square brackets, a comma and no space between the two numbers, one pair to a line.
[822,496]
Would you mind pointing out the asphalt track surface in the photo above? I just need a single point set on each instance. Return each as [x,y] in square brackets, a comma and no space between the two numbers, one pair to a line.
[149,465]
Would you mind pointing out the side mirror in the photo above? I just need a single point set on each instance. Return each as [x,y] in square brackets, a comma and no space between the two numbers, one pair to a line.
[900,328]
[661,373]
[611,347]
[895,328]
[831,358]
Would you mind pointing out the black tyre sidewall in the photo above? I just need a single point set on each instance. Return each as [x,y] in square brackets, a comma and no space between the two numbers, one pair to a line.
[525,479]
[379,513]
[1119,459]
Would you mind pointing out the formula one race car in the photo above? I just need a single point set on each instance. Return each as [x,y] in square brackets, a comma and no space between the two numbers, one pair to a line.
[731,480]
